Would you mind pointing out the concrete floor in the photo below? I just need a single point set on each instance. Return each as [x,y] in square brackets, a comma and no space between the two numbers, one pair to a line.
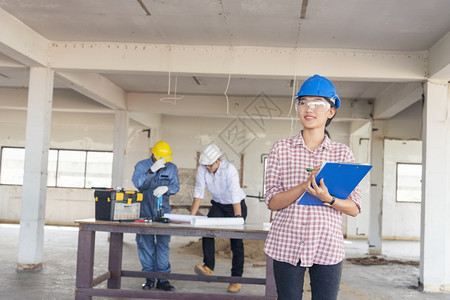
[57,278]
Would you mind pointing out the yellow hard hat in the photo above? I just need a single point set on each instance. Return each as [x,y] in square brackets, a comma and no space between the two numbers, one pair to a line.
[162,150]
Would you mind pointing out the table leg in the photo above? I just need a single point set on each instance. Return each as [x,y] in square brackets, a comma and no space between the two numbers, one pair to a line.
[271,289]
[115,260]
[85,262]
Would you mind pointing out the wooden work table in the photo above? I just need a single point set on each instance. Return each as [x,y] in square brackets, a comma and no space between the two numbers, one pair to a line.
[85,282]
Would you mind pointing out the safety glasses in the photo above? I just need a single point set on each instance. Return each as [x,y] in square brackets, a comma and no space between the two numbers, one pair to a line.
[166,159]
[318,106]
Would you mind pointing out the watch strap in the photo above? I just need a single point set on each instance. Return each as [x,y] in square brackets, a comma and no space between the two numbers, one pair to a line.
[333,199]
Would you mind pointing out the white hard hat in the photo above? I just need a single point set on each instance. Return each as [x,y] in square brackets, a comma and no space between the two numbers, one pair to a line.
[210,154]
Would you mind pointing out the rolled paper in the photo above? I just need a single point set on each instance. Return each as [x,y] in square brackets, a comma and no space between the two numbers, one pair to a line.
[182,218]
[217,221]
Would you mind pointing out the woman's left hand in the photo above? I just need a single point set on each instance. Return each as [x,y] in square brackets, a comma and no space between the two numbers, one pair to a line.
[320,191]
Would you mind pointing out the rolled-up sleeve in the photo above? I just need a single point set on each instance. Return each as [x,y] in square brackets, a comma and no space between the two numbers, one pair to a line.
[200,183]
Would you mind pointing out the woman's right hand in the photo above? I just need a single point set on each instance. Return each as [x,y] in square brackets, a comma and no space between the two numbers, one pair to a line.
[286,198]
[314,172]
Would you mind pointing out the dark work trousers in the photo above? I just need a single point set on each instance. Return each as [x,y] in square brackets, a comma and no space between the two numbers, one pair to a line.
[325,280]
[237,246]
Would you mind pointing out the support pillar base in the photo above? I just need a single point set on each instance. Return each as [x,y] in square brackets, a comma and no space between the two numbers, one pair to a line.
[29,267]
[434,288]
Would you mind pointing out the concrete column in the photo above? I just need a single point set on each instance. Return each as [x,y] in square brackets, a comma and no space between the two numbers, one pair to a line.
[34,192]
[435,222]
[120,148]
[376,191]
[360,145]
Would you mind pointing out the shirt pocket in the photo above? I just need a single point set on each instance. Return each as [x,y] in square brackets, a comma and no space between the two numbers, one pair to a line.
[163,179]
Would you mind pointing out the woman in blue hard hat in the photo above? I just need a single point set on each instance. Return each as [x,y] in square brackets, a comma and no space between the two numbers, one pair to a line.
[307,236]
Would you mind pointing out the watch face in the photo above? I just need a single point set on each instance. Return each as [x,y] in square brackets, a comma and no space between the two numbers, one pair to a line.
[332,200]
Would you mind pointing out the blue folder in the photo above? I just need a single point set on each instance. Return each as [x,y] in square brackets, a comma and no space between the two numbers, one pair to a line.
[340,179]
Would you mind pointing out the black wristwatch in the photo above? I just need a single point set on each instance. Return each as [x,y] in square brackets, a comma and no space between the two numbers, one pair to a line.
[238,216]
[332,201]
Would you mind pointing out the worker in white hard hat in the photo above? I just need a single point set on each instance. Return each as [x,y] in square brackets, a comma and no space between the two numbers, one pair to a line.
[222,180]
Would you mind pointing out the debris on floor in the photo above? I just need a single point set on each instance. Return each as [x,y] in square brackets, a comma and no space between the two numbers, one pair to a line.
[375,260]
[253,249]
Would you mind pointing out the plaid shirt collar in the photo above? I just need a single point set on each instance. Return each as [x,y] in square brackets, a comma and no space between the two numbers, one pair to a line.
[298,140]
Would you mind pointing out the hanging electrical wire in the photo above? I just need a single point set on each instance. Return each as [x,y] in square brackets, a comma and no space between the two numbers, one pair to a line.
[171,99]
[226,96]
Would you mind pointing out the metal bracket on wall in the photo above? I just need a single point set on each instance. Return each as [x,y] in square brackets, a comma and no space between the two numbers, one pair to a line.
[362,139]
[148,132]
[263,156]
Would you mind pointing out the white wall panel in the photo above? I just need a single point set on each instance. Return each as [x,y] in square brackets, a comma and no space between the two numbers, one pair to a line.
[400,219]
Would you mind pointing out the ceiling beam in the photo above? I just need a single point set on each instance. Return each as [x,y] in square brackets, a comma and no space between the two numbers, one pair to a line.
[64,100]
[22,43]
[395,98]
[96,87]
[14,98]
[439,59]
[259,107]
[149,120]
[337,64]
[9,64]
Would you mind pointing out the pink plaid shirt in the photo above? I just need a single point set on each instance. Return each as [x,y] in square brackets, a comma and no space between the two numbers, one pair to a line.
[305,233]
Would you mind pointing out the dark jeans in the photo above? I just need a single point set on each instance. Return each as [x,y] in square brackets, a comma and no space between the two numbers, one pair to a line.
[325,280]
[237,246]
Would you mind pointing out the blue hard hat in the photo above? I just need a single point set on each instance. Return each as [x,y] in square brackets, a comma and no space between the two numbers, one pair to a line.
[319,86]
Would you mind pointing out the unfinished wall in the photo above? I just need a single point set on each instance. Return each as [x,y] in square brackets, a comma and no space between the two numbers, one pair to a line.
[78,131]
[186,135]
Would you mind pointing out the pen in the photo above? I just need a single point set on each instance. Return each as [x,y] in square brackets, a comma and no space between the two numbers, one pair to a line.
[136,220]
[309,170]
[142,220]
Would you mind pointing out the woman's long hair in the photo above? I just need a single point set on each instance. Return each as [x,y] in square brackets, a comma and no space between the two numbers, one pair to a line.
[329,120]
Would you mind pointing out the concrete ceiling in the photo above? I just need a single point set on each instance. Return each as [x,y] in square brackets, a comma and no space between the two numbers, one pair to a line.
[401,25]
[349,28]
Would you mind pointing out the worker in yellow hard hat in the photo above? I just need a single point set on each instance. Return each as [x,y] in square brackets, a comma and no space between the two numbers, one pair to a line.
[156,177]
